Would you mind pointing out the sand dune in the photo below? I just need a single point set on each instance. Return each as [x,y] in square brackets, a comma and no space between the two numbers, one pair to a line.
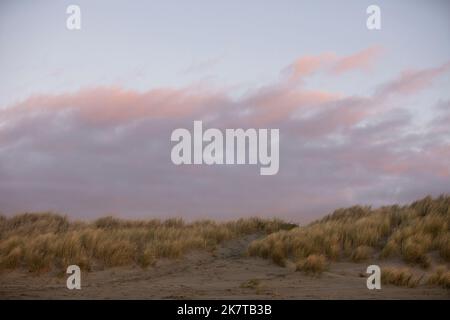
[246,258]
[226,273]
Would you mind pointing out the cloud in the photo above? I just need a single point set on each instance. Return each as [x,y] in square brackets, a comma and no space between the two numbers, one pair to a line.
[279,103]
[107,150]
[439,126]
[331,63]
[362,60]
[114,105]
[412,81]
[307,65]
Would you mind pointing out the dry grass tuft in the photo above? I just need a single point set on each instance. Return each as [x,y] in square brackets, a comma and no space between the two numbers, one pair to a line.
[440,277]
[403,277]
[362,253]
[313,264]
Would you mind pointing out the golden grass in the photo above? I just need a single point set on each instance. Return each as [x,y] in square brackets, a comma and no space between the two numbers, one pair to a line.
[410,232]
[440,277]
[43,241]
[362,253]
[403,277]
[414,233]
[313,264]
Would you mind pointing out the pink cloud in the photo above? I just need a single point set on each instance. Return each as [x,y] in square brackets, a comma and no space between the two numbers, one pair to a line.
[362,60]
[412,81]
[307,65]
[103,150]
[114,105]
[276,104]
[332,63]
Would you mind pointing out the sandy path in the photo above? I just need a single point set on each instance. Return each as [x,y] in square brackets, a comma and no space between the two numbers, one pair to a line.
[226,273]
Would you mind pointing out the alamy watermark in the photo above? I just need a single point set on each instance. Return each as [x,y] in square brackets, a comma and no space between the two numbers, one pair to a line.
[373,21]
[374,280]
[234,146]
[73,21]
[74,280]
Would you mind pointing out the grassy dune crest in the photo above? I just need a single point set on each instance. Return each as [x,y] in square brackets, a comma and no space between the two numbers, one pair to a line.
[414,233]
[43,241]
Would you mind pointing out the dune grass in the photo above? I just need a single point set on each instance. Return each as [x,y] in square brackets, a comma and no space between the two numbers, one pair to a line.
[440,277]
[411,233]
[418,234]
[40,242]
[403,277]
[313,264]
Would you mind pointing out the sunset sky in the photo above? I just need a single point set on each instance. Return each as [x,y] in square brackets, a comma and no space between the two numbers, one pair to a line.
[86,115]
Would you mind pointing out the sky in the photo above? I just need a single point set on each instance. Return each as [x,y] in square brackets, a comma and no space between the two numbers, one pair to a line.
[86,115]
